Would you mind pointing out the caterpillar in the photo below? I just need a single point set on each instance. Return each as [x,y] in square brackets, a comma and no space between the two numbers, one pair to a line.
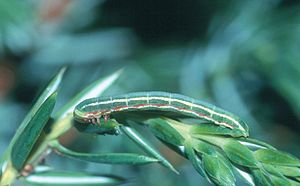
[92,110]
[110,127]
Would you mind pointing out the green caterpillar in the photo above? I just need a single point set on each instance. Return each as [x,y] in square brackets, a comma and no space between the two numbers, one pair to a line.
[92,110]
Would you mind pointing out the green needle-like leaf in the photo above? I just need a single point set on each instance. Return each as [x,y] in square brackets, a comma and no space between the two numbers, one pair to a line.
[218,170]
[50,89]
[215,164]
[235,151]
[202,147]
[107,158]
[260,179]
[294,182]
[207,128]
[195,160]
[275,176]
[17,159]
[138,139]
[274,157]
[287,171]
[52,178]
[239,154]
[27,139]
[165,132]
[276,180]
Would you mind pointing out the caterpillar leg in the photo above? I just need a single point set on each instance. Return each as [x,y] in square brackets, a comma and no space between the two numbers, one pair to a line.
[27,170]
[94,121]
[106,118]
[98,121]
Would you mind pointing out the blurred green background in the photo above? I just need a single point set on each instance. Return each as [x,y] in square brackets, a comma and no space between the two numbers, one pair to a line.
[243,56]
